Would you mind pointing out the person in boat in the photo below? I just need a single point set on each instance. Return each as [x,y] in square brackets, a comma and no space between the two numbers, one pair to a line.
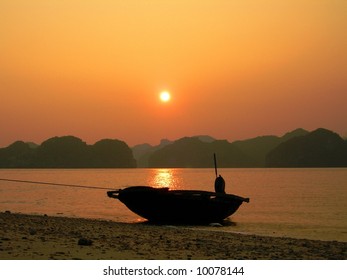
[219,184]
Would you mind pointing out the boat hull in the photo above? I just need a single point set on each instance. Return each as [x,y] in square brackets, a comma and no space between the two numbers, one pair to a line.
[176,206]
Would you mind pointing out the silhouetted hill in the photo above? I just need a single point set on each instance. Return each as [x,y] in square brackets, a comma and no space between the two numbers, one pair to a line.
[295,133]
[17,155]
[205,138]
[299,148]
[258,148]
[142,152]
[111,153]
[62,152]
[67,152]
[320,148]
[141,149]
[197,151]
[192,152]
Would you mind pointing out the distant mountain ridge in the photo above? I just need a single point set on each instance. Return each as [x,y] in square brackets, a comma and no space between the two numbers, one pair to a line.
[143,152]
[320,148]
[257,148]
[67,152]
[192,152]
[298,148]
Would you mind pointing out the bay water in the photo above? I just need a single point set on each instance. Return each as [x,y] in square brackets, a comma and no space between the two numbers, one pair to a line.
[300,203]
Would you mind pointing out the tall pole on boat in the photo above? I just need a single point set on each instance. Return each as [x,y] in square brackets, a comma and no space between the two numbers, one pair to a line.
[215,164]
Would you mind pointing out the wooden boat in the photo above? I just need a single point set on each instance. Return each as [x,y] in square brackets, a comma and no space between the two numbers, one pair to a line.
[162,205]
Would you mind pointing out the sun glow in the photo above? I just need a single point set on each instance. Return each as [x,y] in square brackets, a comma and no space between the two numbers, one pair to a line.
[165,96]
[165,178]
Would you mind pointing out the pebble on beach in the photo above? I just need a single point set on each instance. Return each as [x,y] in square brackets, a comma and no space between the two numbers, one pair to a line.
[85,242]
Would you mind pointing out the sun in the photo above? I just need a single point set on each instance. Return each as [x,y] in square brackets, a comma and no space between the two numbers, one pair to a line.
[165,96]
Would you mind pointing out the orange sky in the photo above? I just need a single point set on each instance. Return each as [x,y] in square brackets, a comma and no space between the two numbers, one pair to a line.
[235,69]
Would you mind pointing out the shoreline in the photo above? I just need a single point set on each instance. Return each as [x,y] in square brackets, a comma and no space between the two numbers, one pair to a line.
[42,237]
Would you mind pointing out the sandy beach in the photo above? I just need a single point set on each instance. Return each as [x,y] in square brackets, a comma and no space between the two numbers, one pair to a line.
[27,237]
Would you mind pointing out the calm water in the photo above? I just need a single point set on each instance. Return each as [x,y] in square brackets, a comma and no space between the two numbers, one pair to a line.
[301,203]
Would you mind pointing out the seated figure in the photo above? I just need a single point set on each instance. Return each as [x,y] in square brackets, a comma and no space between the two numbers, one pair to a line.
[219,185]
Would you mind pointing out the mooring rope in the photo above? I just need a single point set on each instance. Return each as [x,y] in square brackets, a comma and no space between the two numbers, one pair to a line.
[55,184]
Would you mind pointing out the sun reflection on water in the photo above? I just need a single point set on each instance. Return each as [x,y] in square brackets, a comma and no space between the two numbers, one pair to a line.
[164,178]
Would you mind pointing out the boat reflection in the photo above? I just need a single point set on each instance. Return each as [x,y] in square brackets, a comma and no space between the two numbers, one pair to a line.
[164,178]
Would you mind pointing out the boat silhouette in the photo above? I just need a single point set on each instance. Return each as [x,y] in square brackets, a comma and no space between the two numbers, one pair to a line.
[162,205]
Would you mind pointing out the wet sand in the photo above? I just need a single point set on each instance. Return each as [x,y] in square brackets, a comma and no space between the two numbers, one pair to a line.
[29,237]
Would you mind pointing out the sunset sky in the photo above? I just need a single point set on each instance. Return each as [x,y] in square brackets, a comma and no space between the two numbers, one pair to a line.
[235,69]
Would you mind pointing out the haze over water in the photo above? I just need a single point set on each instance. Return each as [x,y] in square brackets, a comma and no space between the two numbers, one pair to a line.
[300,203]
